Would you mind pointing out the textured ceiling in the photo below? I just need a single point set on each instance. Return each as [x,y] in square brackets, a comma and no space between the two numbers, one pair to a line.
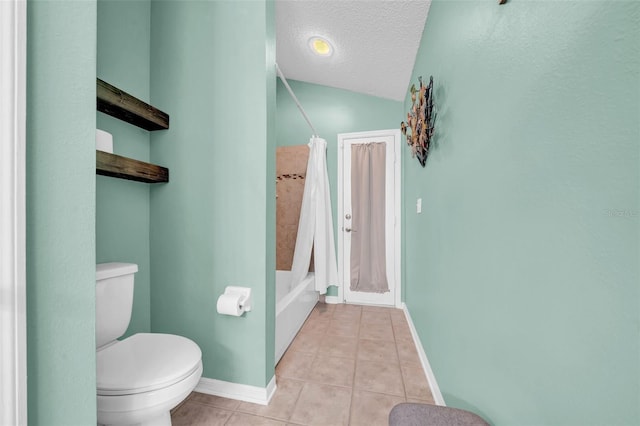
[375,43]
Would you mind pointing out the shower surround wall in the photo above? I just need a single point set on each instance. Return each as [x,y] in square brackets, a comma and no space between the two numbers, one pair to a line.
[291,168]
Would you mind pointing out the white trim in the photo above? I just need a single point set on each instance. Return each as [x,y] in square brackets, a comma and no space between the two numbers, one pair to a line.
[433,384]
[13,335]
[332,300]
[340,211]
[238,391]
[395,133]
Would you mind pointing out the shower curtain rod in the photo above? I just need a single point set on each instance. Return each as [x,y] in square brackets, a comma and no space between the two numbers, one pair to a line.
[295,99]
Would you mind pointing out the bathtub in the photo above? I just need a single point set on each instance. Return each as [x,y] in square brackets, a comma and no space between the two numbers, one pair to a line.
[294,303]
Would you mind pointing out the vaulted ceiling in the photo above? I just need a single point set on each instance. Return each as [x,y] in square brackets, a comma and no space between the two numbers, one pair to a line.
[374,43]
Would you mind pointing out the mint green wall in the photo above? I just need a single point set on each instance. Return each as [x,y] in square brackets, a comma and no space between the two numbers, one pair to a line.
[522,271]
[61,72]
[331,111]
[270,195]
[122,206]
[213,224]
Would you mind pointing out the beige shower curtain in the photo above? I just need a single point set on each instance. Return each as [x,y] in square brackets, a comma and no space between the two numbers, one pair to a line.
[368,261]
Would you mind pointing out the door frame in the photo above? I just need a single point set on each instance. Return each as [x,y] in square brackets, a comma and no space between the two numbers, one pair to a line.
[13,335]
[397,248]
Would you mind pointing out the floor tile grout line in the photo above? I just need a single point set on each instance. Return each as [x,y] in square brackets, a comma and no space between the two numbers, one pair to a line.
[395,341]
[295,404]
[228,418]
[315,357]
[204,404]
[306,381]
[324,335]
[355,368]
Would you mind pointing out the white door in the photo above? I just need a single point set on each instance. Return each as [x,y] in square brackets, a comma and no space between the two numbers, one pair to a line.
[346,231]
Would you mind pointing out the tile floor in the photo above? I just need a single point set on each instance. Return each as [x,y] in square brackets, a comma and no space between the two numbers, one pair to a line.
[348,365]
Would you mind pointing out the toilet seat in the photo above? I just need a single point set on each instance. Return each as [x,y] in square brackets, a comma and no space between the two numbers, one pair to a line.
[145,408]
[145,362]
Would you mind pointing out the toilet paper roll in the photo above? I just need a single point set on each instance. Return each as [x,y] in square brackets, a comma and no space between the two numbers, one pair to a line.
[229,304]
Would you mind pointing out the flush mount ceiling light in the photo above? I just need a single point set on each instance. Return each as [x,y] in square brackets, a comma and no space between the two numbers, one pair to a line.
[320,46]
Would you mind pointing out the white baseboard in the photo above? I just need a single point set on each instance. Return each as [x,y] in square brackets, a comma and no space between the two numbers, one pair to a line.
[435,390]
[237,391]
[332,300]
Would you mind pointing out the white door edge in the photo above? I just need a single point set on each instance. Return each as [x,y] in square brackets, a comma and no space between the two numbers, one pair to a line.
[395,133]
[13,335]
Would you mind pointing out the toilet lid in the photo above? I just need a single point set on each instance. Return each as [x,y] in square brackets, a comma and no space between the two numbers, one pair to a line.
[145,362]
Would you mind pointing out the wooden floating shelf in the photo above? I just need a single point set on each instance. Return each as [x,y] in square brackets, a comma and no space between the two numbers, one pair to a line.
[127,168]
[121,105]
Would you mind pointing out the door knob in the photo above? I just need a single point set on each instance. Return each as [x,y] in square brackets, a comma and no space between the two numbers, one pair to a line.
[347,229]
[347,216]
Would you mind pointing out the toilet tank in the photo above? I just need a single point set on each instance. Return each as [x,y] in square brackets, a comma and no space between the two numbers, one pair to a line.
[114,300]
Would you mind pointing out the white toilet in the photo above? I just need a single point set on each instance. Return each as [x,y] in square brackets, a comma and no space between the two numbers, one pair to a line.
[141,378]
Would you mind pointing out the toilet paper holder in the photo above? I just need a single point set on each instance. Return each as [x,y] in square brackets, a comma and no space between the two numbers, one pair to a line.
[243,292]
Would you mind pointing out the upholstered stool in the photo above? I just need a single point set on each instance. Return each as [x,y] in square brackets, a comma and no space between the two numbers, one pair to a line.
[409,414]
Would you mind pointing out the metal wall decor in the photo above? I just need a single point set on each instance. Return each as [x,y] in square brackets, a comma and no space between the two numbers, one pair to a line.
[420,121]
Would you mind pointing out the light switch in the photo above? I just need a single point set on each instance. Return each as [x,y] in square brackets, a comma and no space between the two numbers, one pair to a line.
[419,205]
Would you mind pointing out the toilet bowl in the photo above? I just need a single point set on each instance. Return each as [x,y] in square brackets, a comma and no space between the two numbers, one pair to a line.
[141,378]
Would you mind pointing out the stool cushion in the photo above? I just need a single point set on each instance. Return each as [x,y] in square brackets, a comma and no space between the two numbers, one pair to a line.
[410,414]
